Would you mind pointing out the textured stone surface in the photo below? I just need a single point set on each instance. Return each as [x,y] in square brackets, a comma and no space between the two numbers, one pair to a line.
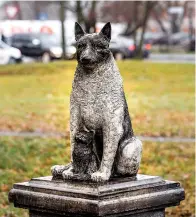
[140,196]
[98,106]
[159,213]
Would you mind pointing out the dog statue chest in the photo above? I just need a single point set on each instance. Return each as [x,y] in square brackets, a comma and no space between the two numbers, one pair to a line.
[89,90]
[91,103]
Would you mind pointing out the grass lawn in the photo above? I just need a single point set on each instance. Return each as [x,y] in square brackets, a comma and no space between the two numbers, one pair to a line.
[35,97]
[22,159]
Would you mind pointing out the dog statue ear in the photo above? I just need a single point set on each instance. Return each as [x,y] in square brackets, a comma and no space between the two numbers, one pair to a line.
[79,32]
[106,31]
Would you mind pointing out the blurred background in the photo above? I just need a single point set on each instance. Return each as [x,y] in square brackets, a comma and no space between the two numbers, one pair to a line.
[158,30]
[154,45]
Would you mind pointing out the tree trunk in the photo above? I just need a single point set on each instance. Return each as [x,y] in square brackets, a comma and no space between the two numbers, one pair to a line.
[148,8]
[19,11]
[159,20]
[184,12]
[135,21]
[80,18]
[191,30]
[90,21]
[93,16]
[62,18]
[87,26]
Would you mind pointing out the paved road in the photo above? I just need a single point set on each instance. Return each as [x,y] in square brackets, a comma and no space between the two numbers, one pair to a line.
[27,60]
[154,57]
[172,58]
[60,135]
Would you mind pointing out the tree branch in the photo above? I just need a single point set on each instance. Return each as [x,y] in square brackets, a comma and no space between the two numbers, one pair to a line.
[158,19]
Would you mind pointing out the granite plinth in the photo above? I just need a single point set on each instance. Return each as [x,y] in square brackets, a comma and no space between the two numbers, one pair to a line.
[141,196]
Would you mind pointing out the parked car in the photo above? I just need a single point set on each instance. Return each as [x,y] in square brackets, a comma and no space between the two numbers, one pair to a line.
[123,48]
[150,37]
[179,37]
[189,44]
[162,40]
[43,46]
[9,55]
[5,39]
[172,39]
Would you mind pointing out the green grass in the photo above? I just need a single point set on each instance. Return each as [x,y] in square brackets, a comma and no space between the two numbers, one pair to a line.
[35,97]
[22,159]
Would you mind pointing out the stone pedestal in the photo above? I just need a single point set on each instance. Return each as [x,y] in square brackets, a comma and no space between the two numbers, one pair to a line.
[143,196]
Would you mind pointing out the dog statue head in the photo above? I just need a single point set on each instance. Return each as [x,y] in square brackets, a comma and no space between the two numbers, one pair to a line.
[92,48]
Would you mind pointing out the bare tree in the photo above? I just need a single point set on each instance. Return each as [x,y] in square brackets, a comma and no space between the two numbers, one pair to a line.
[191,29]
[86,14]
[185,10]
[148,8]
[90,23]
[62,18]
[79,12]
[118,11]
[161,8]
[135,14]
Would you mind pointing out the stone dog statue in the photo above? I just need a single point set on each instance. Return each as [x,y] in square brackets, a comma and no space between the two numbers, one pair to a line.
[98,105]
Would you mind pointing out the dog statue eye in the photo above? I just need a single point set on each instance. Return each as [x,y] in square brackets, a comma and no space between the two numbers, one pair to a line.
[100,47]
[81,45]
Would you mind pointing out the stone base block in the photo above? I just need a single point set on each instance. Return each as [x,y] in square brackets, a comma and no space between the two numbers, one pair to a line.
[142,196]
[160,213]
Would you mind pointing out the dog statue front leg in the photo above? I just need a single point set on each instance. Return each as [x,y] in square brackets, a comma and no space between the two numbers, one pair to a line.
[67,170]
[74,128]
[68,174]
[111,139]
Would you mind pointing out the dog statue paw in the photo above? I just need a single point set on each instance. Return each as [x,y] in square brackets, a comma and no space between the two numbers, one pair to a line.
[100,176]
[57,170]
[67,174]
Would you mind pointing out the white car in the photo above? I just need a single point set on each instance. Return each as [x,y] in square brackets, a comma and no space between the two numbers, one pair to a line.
[9,55]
